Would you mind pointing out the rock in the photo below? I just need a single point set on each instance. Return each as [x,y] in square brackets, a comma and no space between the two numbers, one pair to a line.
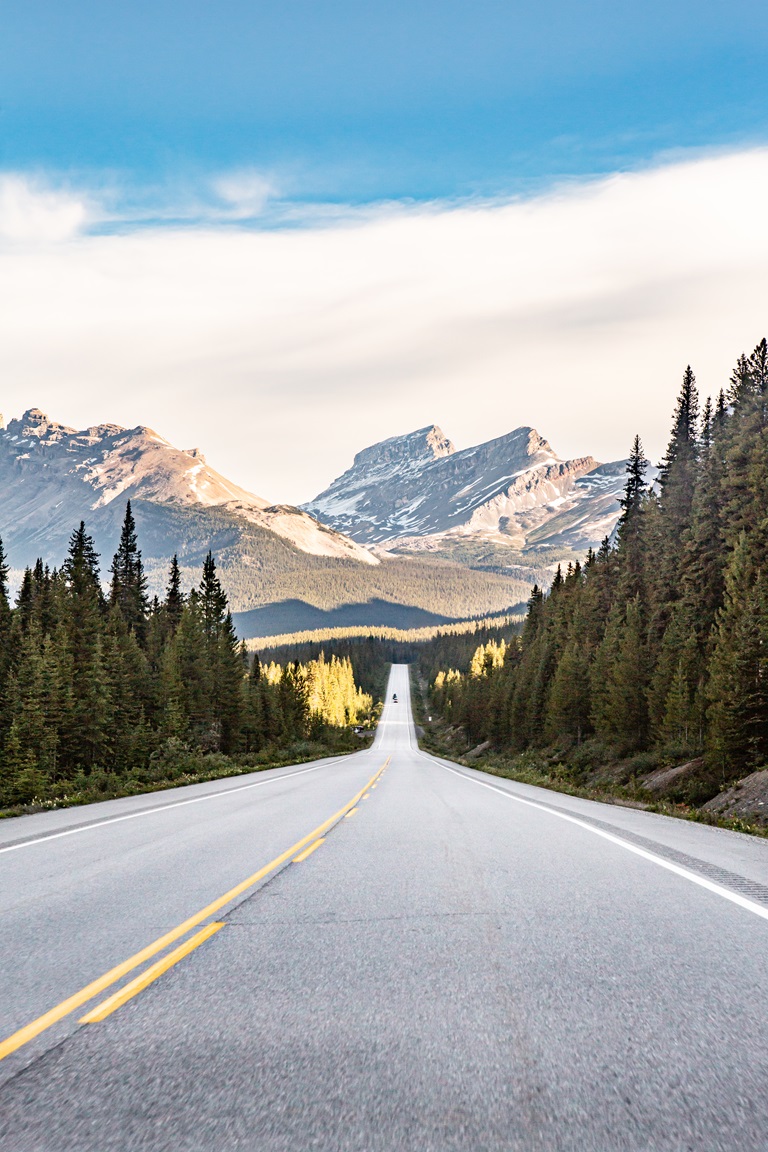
[746,800]
[661,779]
[478,751]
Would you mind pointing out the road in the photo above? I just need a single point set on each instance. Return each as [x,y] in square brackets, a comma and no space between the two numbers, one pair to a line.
[462,962]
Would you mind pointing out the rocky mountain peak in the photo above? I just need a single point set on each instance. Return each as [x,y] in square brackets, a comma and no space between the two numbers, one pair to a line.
[53,476]
[419,447]
[513,490]
[35,422]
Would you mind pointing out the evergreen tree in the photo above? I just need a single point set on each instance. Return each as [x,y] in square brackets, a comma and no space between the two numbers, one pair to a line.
[738,684]
[128,592]
[623,717]
[630,535]
[569,702]
[87,720]
[174,597]
[678,477]
[213,601]
[678,472]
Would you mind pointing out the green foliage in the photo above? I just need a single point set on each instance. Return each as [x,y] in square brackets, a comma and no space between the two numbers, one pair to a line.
[659,645]
[403,639]
[103,696]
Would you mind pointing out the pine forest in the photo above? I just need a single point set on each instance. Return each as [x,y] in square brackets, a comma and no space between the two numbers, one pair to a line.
[655,648]
[103,693]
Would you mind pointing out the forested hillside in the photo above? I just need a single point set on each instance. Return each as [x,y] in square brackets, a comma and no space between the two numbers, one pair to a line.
[102,692]
[400,592]
[657,643]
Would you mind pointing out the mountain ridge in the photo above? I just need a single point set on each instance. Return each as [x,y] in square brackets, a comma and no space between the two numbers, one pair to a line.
[271,557]
[513,490]
[53,476]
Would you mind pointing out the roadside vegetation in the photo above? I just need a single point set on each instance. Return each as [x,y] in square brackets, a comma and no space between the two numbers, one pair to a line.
[111,694]
[643,673]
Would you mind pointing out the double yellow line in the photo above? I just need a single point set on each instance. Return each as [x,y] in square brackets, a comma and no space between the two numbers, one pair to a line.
[30,1031]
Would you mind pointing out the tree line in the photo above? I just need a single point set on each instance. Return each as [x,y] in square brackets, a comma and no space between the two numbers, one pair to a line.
[659,640]
[108,683]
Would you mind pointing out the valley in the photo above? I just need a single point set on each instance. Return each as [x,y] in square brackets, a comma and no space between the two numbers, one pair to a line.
[416,534]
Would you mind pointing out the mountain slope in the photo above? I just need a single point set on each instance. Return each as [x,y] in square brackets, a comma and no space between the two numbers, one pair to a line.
[53,476]
[514,490]
[273,558]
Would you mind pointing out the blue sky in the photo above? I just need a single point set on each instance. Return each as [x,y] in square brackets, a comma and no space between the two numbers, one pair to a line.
[282,231]
[353,102]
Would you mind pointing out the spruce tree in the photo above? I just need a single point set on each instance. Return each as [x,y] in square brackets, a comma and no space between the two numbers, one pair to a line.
[738,684]
[4,573]
[568,706]
[230,687]
[87,721]
[678,477]
[174,597]
[128,592]
[625,716]
[630,535]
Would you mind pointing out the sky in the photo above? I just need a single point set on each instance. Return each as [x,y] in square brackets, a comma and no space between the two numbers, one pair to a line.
[282,231]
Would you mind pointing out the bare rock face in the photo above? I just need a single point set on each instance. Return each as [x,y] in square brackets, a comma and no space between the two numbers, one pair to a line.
[405,453]
[745,800]
[514,490]
[53,476]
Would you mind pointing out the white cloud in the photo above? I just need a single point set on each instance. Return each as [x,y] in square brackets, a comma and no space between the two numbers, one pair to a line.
[30,211]
[283,352]
[246,193]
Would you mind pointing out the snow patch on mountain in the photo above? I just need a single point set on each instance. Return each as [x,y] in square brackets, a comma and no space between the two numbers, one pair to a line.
[53,476]
[514,490]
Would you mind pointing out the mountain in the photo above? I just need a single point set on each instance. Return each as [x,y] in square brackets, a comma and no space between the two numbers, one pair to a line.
[418,492]
[52,476]
[276,561]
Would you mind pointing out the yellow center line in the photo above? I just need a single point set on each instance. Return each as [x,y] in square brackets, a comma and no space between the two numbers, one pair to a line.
[351,813]
[117,999]
[29,1031]
[308,851]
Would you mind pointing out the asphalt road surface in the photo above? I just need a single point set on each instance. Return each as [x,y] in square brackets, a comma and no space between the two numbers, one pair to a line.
[462,962]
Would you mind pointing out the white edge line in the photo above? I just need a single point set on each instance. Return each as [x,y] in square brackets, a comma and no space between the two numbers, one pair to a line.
[162,808]
[734,897]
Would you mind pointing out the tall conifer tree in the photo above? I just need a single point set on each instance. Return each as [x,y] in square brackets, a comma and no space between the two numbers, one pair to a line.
[128,592]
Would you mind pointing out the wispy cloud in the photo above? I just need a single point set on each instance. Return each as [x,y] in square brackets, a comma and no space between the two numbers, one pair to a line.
[284,349]
[31,210]
[245,193]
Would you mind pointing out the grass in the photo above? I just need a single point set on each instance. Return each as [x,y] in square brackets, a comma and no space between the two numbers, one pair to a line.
[537,769]
[189,767]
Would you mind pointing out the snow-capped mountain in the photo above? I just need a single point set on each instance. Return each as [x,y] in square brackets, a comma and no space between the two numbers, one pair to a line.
[52,476]
[515,490]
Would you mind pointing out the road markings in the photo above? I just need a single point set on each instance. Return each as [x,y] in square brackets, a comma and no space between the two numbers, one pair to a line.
[30,1031]
[165,807]
[308,851]
[139,983]
[685,873]
[351,813]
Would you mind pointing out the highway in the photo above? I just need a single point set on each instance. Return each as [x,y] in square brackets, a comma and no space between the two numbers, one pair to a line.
[380,952]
